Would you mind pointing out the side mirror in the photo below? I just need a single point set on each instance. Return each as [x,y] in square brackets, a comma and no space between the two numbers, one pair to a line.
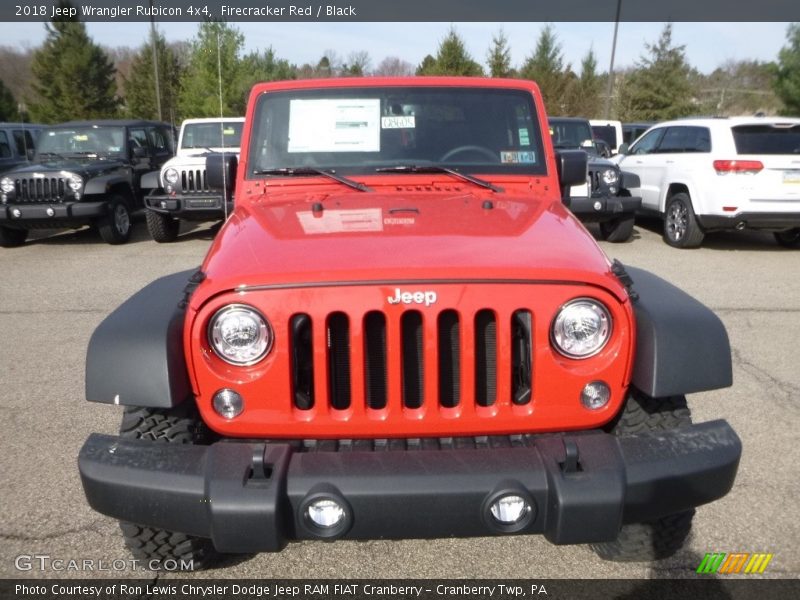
[29,154]
[623,149]
[221,172]
[571,165]
[138,152]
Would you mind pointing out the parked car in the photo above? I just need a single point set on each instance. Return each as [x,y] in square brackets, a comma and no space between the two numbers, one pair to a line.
[609,131]
[604,197]
[17,143]
[632,131]
[83,173]
[180,191]
[401,332]
[702,175]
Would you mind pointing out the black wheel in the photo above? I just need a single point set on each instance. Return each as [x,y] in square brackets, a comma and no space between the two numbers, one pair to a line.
[617,230]
[10,237]
[180,425]
[162,228]
[115,227]
[789,238]
[681,229]
[663,537]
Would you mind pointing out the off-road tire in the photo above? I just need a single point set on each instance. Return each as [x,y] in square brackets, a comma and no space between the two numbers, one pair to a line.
[163,228]
[681,229]
[180,425]
[617,230]
[663,537]
[115,227]
[11,238]
[788,239]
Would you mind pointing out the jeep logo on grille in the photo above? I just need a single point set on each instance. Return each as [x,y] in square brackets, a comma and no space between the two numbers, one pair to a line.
[427,297]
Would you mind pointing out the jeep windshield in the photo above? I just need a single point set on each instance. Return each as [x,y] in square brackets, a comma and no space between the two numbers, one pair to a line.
[373,129]
[571,134]
[79,142]
[211,135]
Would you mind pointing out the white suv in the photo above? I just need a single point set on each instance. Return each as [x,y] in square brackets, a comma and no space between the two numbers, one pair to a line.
[703,175]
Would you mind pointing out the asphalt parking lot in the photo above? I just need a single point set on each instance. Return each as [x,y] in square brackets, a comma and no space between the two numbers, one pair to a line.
[60,285]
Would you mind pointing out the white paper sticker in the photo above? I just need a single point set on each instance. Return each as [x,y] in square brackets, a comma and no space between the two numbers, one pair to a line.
[337,221]
[398,122]
[334,125]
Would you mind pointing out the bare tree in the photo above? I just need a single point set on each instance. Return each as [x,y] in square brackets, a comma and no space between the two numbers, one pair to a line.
[392,66]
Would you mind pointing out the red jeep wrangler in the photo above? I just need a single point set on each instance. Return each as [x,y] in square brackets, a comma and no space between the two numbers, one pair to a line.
[401,332]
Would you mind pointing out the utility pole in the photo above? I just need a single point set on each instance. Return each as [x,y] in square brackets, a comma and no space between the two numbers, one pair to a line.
[610,89]
[155,60]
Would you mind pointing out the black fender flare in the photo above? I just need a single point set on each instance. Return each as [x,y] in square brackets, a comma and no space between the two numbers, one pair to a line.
[135,356]
[102,185]
[150,180]
[681,345]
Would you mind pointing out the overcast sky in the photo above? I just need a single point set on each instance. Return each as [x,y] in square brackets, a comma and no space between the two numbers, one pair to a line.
[708,45]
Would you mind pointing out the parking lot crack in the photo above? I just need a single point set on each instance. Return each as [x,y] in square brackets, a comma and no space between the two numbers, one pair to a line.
[786,390]
[16,537]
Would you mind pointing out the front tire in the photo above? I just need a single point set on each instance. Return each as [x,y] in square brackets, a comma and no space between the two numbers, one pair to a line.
[11,238]
[789,238]
[659,538]
[179,425]
[115,227]
[163,228]
[617,230]
[681,229]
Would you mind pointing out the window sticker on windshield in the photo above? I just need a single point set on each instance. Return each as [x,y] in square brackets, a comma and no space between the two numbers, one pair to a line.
[524,140]
[80,138]
[334,125]
[398,122]
[518,157]
[229,131]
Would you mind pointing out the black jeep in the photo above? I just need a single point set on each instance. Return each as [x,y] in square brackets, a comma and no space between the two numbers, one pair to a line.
[83,173]
[604,198]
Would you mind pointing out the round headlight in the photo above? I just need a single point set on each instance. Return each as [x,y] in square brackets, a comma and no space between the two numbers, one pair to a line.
[171,175]
[75,182]
[6,185]
[581,328]
[610,176]
[240,335]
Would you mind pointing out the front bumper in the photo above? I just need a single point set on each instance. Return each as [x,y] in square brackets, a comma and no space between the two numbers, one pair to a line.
[21,213]
[251,497]
[188,206]
[603,208]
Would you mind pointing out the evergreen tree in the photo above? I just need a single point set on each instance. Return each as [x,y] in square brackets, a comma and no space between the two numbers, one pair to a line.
[452,58]
[787,83]
[73,77]
[546,67]
[139,86]
[499,56]
[659,88]
[8,106]
[214,69]
[586,96]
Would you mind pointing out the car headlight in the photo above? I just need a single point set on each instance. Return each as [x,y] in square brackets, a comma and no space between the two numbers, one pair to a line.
[171,175]
[240,335]
[75,182]
[610,176]
[581,328]
[6,185]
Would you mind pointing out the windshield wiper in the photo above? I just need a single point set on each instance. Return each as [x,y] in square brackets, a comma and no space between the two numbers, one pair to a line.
[439,169]
[304,171]
[43,154]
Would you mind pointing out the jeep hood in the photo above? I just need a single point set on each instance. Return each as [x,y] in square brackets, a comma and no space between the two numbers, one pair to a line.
[357,236]
[84,168]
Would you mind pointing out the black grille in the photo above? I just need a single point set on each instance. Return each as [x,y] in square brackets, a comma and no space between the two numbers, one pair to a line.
[40,189]
[194,180]
[339,360]
[485,358]
[521,355]
[449,359]
[413,366]
[302,362]
[375,359]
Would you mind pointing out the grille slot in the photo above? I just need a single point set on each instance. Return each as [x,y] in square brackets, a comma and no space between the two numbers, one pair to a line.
[194,180]
[413,366]
[302,362]
[449,344]
[521,357]
[485,358]
[40,189]
[375,359]
[338,335]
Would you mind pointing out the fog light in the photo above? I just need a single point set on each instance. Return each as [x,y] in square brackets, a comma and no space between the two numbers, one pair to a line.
[16,213]
[510,509]
[228,404]
[325,513]
[595,395]
[50,212]
[598,205]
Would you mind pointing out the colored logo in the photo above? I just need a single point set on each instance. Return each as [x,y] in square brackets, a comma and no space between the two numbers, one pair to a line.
[735,562]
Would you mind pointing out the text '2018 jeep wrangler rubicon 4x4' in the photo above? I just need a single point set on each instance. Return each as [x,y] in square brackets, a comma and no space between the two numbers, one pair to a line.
[180,189]
[401,332]
[83,173]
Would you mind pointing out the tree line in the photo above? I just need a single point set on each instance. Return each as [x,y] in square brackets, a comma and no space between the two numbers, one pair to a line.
[71,77]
